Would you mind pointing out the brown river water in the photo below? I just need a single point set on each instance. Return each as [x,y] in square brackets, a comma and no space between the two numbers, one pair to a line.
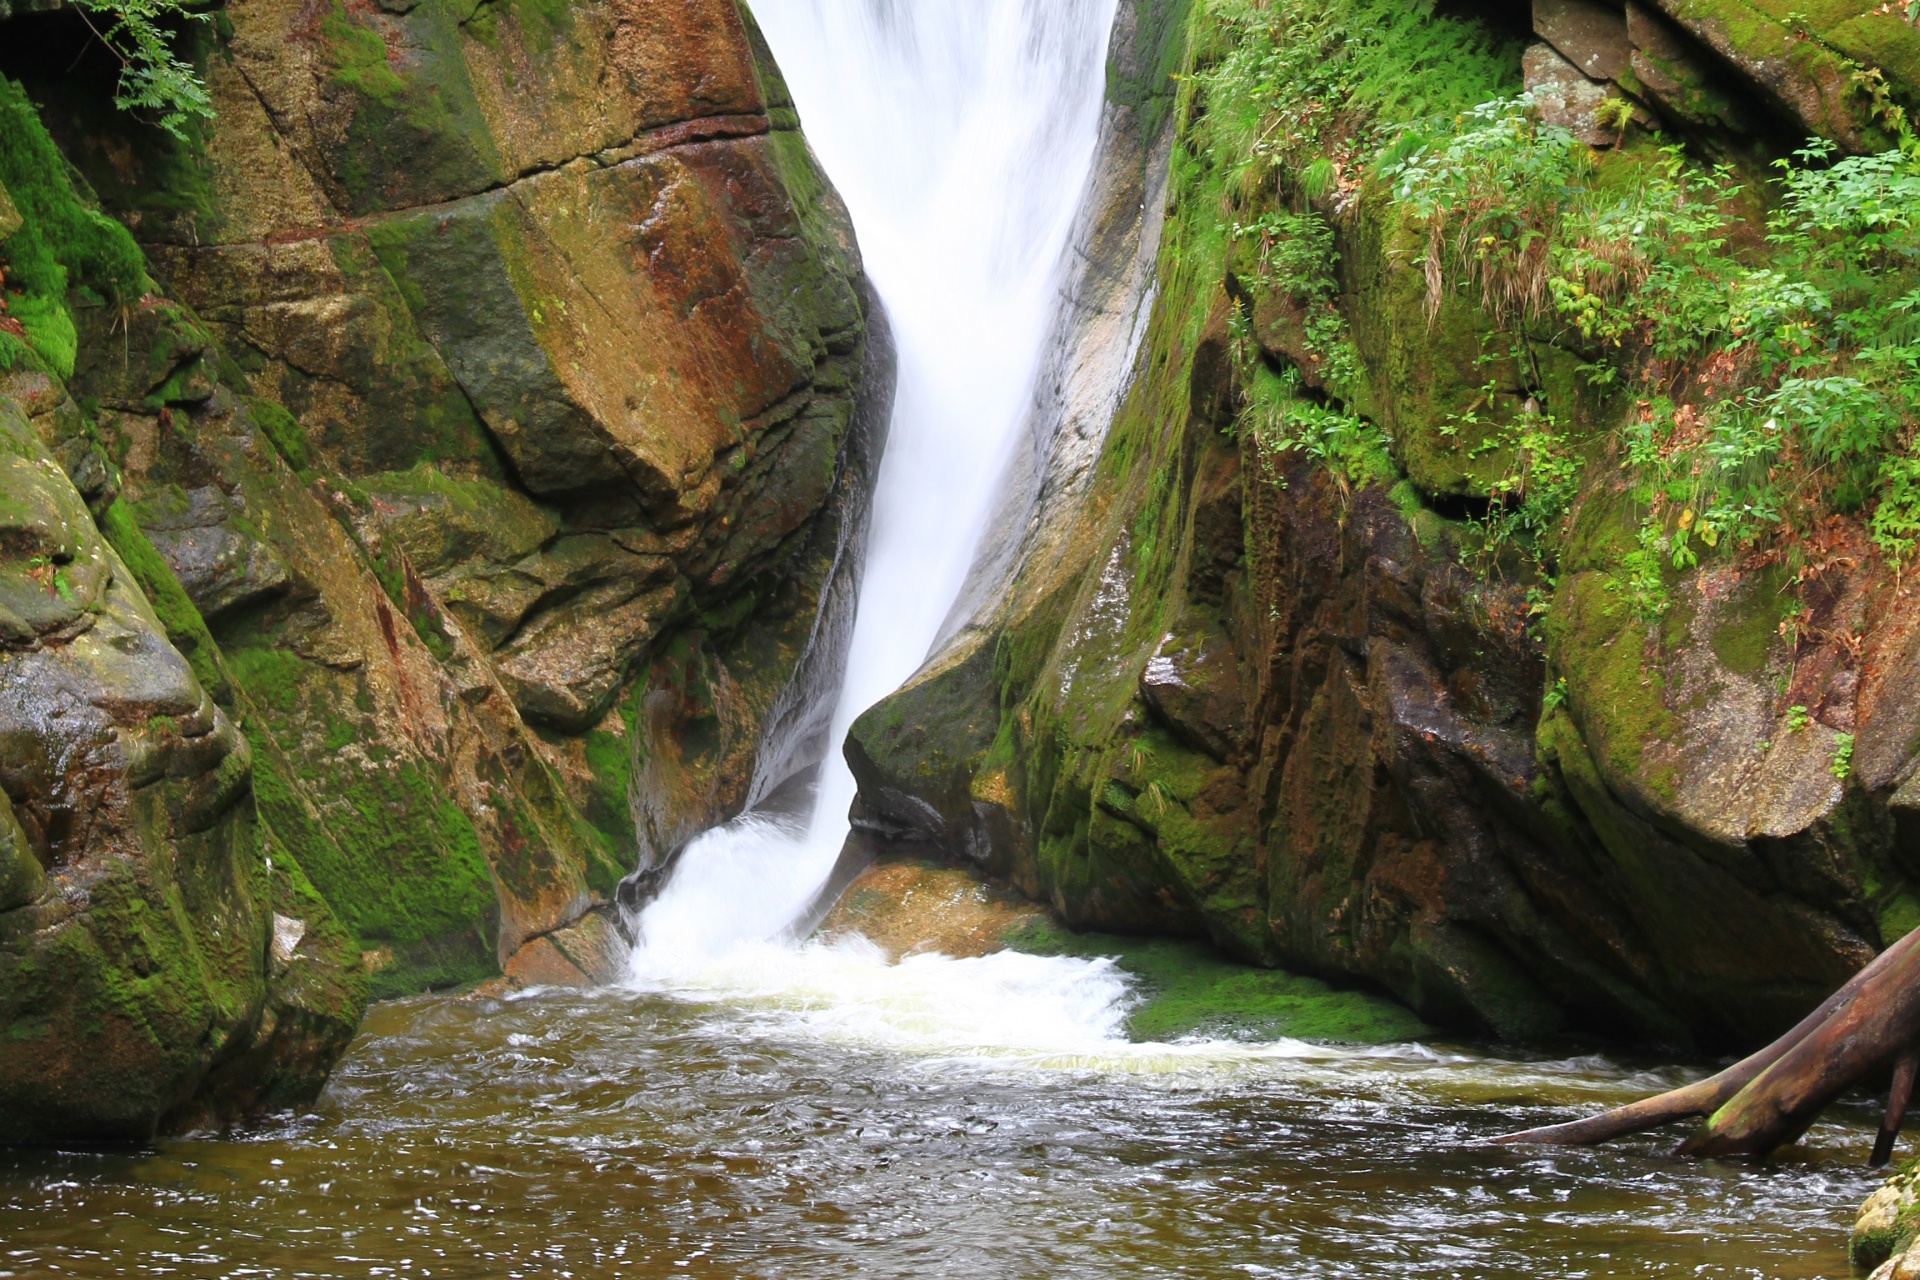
[845,1124]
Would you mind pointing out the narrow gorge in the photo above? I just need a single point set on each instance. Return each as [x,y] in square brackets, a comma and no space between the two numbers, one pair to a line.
[840,637]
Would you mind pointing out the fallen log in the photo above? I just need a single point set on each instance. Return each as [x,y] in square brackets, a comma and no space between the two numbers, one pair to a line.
[1769,1099]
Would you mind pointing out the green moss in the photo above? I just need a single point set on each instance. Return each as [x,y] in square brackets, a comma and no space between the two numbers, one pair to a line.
[398,861]
[49,330]
[1898,914]
[1159,46]
[417,133]
[359,58]
[1772,31]
[15,353]
[1752,628]
[1744,639]
[186,629]
[1188,989]
[1615,693]
[1868,1249]
[384,842]
[282,430]
[422,413]
[154,179]
[539,23]
[63,246]
[610,764]
[63,243]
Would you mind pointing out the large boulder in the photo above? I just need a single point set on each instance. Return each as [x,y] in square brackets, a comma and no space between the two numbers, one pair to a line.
[155,965]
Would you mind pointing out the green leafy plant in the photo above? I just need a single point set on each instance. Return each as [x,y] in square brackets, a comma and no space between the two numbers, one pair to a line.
[1555,696]
[1797,718]
[152,78]
[1842,763]
[1282,420]
[1491,192]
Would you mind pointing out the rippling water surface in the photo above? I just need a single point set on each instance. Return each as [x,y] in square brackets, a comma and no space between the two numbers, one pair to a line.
[820,1113]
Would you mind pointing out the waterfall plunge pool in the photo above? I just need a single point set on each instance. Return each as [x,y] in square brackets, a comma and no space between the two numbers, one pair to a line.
[821,1113]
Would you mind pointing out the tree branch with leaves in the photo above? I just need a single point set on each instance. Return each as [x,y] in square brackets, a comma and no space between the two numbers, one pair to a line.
[152,77]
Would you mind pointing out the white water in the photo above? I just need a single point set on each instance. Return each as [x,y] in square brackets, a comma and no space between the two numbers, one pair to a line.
[961,134]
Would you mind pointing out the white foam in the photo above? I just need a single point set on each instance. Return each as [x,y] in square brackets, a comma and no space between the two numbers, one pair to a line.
[1006,1009]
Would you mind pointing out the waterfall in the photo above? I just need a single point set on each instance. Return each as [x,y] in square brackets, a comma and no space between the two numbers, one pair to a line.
[961,134]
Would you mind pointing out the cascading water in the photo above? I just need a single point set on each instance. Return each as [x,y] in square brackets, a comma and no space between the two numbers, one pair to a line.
[961,136]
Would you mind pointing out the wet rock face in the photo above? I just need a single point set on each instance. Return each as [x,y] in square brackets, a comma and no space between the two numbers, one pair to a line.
[581,257]
[1320,740]
[473,490]
[506,406]
[135,898]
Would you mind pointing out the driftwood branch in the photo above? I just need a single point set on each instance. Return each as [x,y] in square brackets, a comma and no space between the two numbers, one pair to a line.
[1768,1100]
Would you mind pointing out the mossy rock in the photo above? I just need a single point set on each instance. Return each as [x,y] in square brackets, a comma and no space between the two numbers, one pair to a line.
[58,248]
[1442,384]
[1888,1222]
[1808,59]
[1188,989]
[394,855]
[1614,690]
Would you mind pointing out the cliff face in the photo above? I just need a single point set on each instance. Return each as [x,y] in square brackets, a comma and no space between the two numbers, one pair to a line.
[1401,630]
[452,478]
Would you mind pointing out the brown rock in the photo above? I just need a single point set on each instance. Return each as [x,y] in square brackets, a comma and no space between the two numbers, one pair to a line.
[1565,97]
[1675,73]
[906,908]
[1590,34]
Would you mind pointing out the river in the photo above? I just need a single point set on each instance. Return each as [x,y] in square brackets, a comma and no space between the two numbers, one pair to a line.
[851,1119]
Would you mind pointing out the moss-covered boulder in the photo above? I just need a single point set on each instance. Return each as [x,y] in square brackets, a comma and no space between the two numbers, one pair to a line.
[1886,1227]
[1830,68]
[155,966]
